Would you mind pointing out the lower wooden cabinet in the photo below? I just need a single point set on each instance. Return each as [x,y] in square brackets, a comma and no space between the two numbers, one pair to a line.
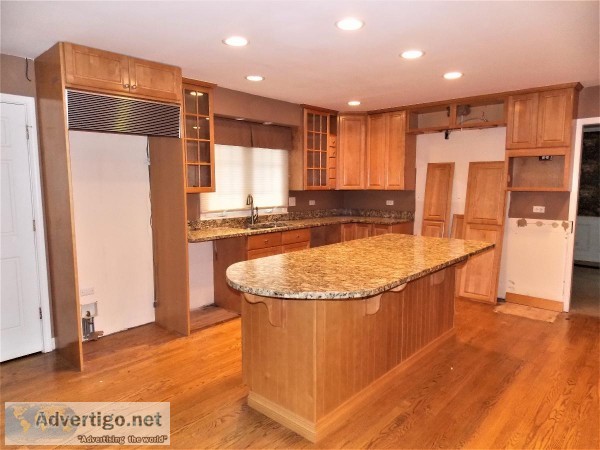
[225,253]
[352,231]
[325,235]
[433,228]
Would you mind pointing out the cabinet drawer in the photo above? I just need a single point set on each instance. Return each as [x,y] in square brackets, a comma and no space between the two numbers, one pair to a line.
[262,252]
[264,241]
[295,247]
[294,236]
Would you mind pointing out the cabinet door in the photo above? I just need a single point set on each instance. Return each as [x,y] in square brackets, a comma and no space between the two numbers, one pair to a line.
[348,232]
[91,68]
[295,236]
[363,230]
[378,229]
[288,248]
[397,162]
[263,252]
[404,228]
[438,197]
[325,235]
[521,123]
[479,276]
[351,152]
[225,253]
[485,193]
[154,80]
[555,116]
[432,228]
[376,150]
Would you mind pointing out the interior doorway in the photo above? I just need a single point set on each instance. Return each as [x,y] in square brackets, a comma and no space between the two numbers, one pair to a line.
[585,293]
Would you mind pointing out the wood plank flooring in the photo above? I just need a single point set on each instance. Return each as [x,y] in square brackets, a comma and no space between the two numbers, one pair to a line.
[209,315]
[503,382]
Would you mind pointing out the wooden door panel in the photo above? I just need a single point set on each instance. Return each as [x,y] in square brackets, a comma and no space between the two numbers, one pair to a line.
[348,231]
[554,118]
[169,232]
[396,154]
[378,229]
[458,227]
[403,228]
[485,193]
[479,276]
[150,79]
[288,248]
[351,152]
[363,230]
[263,252]
[521,123]
[91,68]
[376,150]
[433,229]
[225,253]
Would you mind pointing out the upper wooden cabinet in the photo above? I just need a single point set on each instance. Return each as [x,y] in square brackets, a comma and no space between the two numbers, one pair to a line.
[540,119]
[102,71]
[351,151]
[319,150]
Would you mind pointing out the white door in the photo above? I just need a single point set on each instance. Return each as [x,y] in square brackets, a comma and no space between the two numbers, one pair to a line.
[20,299]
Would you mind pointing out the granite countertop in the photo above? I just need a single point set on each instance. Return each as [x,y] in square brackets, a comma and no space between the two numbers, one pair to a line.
[354,269]
[211,234]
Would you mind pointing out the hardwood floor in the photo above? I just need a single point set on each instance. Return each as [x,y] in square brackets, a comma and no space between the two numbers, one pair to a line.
[209,315]
[503,381]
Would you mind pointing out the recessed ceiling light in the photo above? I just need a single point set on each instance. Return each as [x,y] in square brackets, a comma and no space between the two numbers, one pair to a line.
[353,103]
[350,24]
[267,123]
[254,78]
[412,54]
[236,41]
[239,118]
[452,75]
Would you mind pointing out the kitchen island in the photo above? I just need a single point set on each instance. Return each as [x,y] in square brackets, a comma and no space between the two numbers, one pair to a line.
[323,328]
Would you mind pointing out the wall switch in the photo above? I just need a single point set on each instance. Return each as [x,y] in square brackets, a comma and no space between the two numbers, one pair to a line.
[389,202]
[311,203]
[86,291]
[291,201]
[539,209]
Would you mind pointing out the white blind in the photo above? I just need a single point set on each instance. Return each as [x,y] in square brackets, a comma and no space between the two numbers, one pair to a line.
[239,171]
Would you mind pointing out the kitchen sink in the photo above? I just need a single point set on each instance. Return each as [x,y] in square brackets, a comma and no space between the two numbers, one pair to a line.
[266,225]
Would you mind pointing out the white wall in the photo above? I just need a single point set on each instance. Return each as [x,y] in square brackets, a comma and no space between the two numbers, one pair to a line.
[202,290]
[112,227]
[461,148]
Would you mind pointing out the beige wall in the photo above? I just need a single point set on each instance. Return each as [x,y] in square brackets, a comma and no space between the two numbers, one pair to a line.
[589,102]
[12,76]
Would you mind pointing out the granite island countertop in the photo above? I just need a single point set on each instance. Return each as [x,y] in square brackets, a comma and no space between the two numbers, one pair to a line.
[211,234]
[354,269]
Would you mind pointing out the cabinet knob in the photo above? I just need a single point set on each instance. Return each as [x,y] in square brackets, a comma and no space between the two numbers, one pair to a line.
[133,86]
[266,241]
[126,85]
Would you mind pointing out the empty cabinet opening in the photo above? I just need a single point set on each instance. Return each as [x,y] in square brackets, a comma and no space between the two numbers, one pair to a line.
[531,171]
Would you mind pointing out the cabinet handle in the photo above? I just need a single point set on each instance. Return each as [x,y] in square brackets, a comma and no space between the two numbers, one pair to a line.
[133,86]
[266,241]
[126,85]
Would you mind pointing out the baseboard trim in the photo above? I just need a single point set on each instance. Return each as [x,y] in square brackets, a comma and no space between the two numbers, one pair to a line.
[536,302]
[314,431]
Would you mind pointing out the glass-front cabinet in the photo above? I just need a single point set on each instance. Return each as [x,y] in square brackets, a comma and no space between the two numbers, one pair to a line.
[319,149]
[198,138]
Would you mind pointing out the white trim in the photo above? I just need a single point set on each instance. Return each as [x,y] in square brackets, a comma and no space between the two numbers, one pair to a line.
[573,199]
[38,213]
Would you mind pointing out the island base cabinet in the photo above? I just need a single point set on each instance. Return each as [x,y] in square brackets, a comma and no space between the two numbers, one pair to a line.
[310,364]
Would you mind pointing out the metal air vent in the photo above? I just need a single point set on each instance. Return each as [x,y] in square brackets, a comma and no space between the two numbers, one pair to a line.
[97,112]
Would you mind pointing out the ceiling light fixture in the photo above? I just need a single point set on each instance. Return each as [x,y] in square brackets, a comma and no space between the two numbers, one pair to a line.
[236,41]
[350,24]
[412,54]
[254,78]
[452,75]
[353,103]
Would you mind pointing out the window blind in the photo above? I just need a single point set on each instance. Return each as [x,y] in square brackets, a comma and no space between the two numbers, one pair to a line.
[240,171]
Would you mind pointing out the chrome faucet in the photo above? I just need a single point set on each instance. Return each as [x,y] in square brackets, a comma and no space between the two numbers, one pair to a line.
[253,211]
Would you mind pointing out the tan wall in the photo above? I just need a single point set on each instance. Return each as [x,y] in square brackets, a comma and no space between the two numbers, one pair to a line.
[323,200]
[556,204]
[403,200]
[12,76]
[589,102]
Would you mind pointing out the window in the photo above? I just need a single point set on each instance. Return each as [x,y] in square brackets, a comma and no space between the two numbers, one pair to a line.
[240,171]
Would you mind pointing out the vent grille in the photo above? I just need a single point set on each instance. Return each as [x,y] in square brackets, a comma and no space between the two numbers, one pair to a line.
[95,112]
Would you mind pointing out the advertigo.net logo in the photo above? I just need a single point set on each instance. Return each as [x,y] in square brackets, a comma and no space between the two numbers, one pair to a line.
[77,423]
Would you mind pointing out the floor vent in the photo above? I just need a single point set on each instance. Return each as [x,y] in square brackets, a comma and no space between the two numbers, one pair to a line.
[105,113]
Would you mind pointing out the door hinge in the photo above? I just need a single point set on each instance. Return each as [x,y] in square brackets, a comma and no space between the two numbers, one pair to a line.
[34,228]
[40,309]
[27,131]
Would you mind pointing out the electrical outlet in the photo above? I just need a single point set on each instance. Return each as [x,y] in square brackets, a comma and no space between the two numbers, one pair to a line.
[291,201]
[86,291]
[389,202]
[539,209]
[311,203]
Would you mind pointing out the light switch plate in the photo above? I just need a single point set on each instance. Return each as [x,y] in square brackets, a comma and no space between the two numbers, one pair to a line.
[389,202]
[291,201]
[539,209]
[312,203]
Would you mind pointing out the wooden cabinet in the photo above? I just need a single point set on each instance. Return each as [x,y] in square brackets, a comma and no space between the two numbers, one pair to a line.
[363,230]
[438,198]
[521,123]
[269,244]
[484,220]
[348,232]
[325,235]
[390,152]
[99,70]
[319,150]
[352,231]
[225,253]
[198,136]
[351,151]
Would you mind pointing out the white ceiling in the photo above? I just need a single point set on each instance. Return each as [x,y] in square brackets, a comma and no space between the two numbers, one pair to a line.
[305,59]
